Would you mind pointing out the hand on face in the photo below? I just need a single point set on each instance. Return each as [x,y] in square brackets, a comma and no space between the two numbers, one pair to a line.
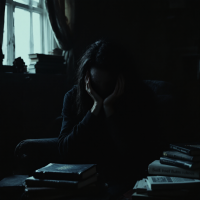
[119,90]
[90,90]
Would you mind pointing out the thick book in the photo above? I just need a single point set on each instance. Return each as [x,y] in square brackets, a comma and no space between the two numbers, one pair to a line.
[141,187]
[66,184]
[190,149]
[167,182]
[92,189]
[181,156]
[66,171]
[180,163]
[45,56]
[12,183]
[158,168]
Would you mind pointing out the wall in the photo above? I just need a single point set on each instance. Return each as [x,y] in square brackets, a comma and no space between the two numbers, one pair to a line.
[161,34]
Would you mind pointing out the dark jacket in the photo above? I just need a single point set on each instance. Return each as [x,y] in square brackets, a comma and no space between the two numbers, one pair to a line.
[120,145]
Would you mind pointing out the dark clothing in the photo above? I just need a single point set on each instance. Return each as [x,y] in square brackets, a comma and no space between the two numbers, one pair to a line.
[119,144]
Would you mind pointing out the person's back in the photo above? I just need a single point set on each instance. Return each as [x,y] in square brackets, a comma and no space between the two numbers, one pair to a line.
[104,122]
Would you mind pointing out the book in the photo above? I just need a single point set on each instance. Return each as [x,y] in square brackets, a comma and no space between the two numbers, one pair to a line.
[31,70]
[158,168]
[167,182]
[12,183]
[45,56]
[180,163]
[92,189]
[141,187]
[66,171]
[189,149]
[47,65]
[46,71]
[34,61]
[67,184]
[145,196]
[181,156]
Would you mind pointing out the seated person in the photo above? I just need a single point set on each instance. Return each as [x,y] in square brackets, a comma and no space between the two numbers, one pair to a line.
[108,116]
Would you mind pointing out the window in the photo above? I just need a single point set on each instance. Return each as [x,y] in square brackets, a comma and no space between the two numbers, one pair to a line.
[26,30]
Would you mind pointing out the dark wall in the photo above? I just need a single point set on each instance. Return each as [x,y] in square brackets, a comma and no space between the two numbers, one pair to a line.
[29,105]
[163,36]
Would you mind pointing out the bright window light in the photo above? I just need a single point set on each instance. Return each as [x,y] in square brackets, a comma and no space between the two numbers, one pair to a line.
[5,40]
[36,33]
[22,34]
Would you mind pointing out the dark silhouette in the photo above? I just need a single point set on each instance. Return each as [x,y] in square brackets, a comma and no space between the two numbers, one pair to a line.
[107,115]
[108,56]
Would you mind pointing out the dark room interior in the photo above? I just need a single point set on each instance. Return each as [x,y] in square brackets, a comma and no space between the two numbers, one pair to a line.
[162,35]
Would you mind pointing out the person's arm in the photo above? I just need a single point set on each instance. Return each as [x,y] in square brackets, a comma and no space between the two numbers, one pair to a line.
[76,140]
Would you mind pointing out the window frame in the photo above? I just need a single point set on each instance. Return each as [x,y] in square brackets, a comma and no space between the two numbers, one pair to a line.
[11,5]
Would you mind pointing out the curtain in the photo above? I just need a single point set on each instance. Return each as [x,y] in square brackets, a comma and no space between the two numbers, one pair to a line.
[2,12]
[60,23]
[49,39]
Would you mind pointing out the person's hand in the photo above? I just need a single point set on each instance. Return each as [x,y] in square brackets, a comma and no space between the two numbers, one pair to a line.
[109,102]
[98,101]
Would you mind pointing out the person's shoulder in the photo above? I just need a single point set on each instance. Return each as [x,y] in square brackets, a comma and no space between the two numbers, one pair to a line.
[70,93]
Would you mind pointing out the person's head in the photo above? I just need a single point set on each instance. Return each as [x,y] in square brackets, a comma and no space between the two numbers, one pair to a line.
[105,61]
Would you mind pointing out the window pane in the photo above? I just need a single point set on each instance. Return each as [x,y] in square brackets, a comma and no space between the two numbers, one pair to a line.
[4,47]
[22,34]
[26,2]
[36,33]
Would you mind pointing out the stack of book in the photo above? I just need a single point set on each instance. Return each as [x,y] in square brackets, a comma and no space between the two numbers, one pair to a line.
[46,64]
[64,180]
[175,176]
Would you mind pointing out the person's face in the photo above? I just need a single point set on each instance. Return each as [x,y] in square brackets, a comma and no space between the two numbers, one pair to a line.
[102,82]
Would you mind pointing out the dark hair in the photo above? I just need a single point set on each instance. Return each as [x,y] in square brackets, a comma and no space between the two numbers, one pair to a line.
[106,55]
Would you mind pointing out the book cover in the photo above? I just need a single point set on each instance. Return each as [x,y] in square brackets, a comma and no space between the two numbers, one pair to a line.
[181,156]
[44,56]
[189,149]
[66,184]
[167,182]
[66,171]
[11,183]
[158,168]
[179,163]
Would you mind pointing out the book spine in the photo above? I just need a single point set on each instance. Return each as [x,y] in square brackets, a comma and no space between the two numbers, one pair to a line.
[46,65]
[52,183]
[178,156]
[45,56]
[180,172]
[57,176]
[180,149]
[53,62]
[168,161]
